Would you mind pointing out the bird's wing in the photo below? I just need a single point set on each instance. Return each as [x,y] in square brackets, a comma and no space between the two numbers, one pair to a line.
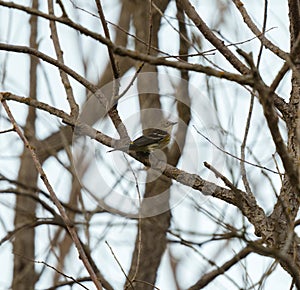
[142,141]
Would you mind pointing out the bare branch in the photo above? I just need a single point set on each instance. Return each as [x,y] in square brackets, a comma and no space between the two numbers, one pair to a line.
[59,53]
[209,277]
[243,146]
[68,70]
[81,127]
[107,35]
[59,206]
[267,43]
[133,54]
[209,35]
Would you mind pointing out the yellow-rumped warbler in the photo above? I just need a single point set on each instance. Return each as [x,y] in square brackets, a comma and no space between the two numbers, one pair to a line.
[152,139]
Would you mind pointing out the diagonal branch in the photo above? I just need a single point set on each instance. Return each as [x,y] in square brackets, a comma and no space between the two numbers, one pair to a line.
[59,53]
[113,113]
[209,277]
[212,38]
[31,51]
[54,198]
[107,35]
[80,126]
[266,99]
[266,42]
[288,57]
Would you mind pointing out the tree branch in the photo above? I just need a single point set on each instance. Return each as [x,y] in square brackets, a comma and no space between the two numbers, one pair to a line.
[267,43]
[209,277]
[210,36]
[59,53]
[127,52]
[54,198]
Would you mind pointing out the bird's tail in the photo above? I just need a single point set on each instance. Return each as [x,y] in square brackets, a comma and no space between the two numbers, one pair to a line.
[124,149]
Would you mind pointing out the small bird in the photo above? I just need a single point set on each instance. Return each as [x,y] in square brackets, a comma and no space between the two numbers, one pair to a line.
[152,139]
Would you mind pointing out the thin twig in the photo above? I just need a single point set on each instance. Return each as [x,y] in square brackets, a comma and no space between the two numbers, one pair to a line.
[263,31]
[266,42]
[277,167]
[211,276]
[8,130]
[212,38]
[266,98]
[226,181]
[182,36]
[115,257]
[233,156]
[113,112]
[243,146]
[59,53]
[75,281]
[107,35]
[139,247]
[131,81]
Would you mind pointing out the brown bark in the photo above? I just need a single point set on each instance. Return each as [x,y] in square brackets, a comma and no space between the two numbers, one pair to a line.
[283,217]
[151,240]
[24,277]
